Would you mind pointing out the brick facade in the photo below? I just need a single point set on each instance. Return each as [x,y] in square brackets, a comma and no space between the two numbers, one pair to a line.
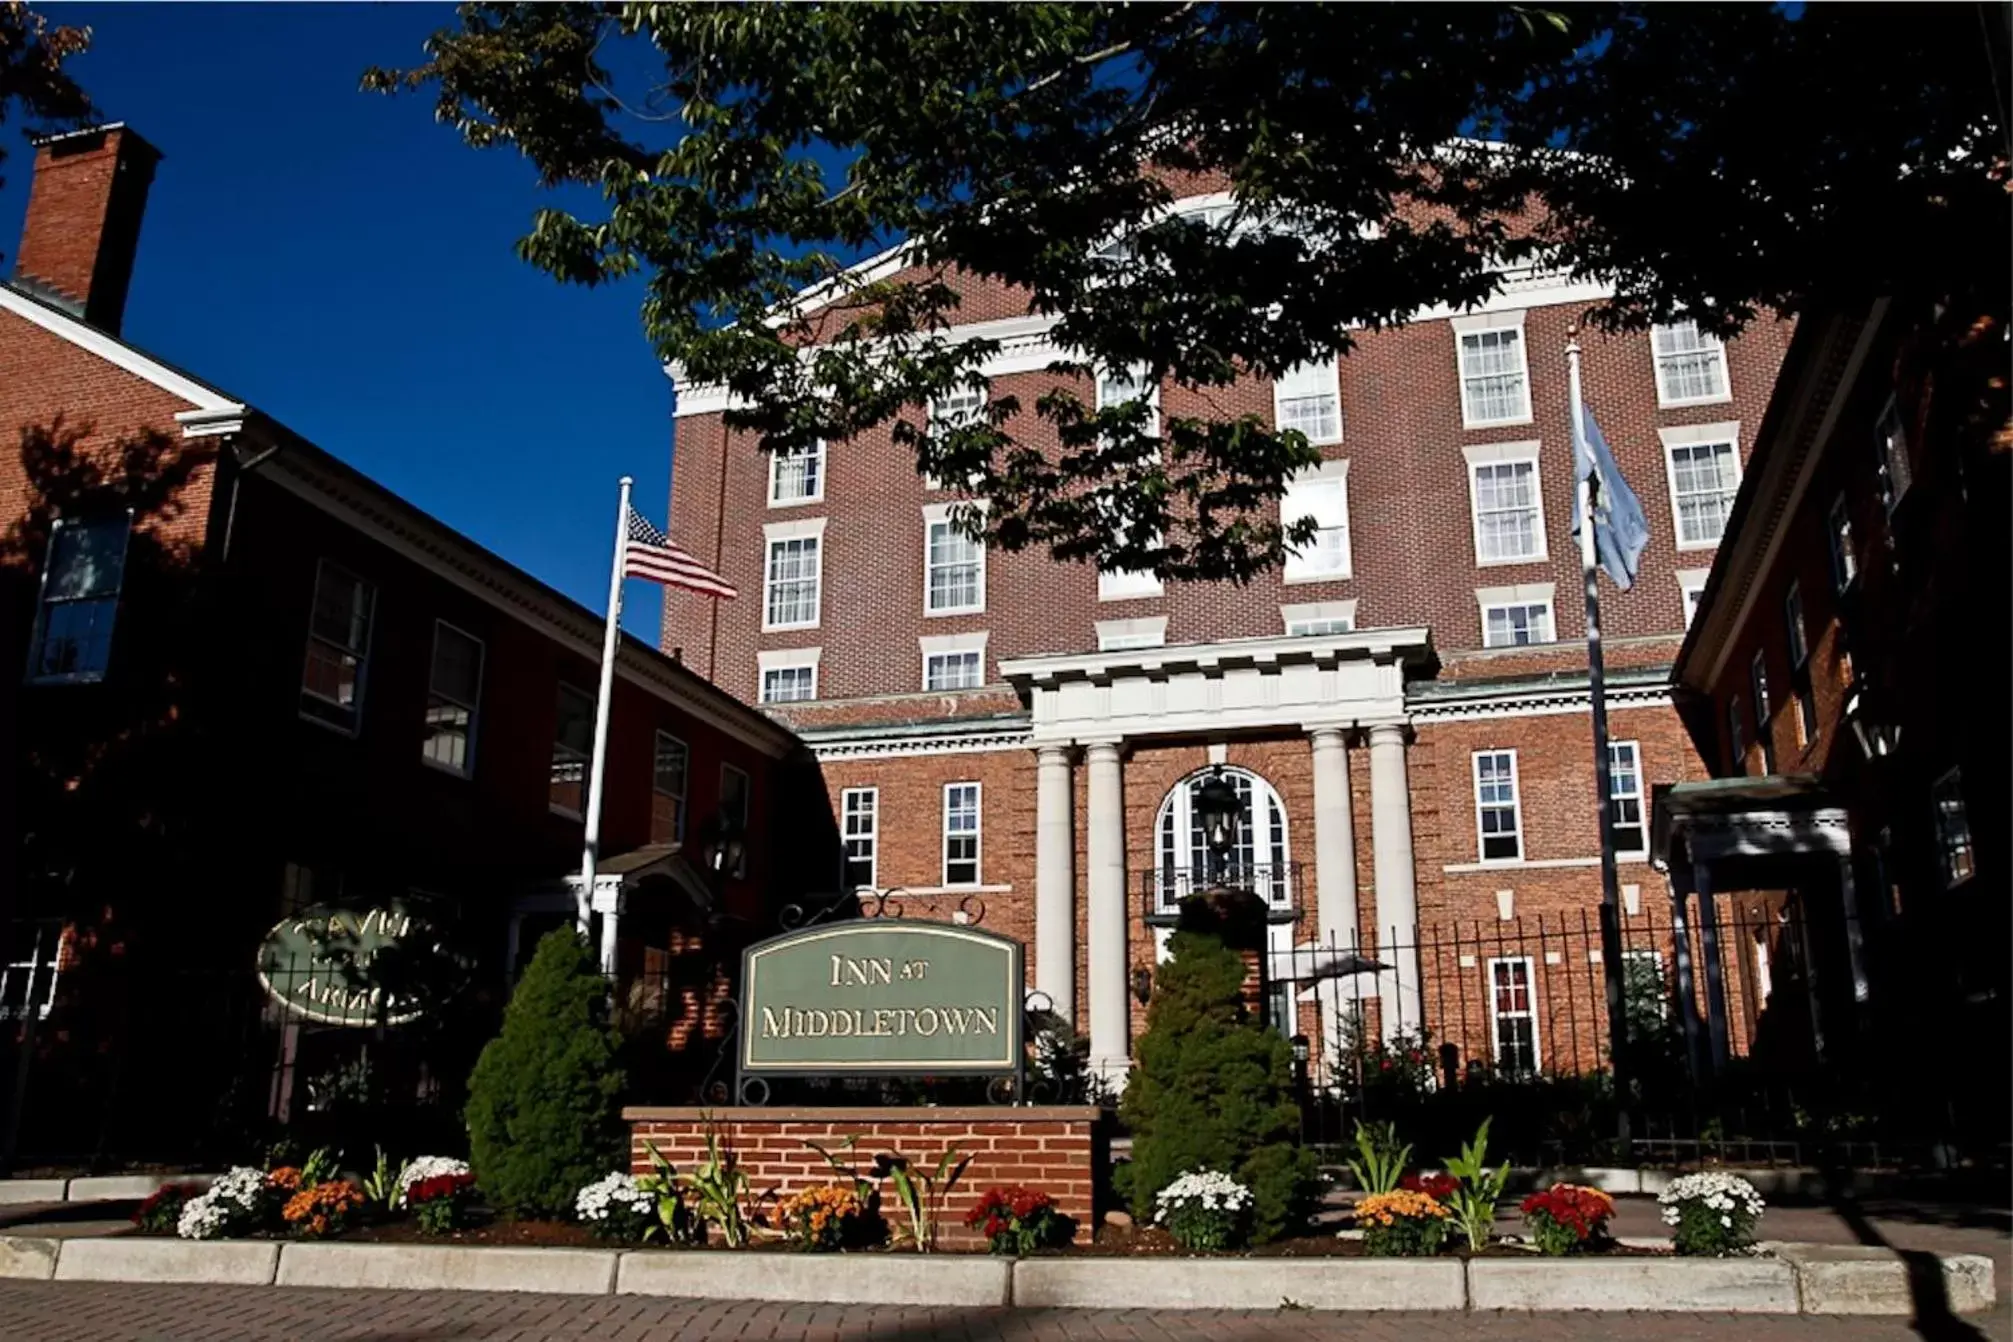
[1059,1150]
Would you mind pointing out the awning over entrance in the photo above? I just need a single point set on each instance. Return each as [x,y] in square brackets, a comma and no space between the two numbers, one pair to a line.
[1728,819]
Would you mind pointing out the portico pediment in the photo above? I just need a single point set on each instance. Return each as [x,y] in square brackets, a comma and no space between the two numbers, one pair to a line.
[1231,685]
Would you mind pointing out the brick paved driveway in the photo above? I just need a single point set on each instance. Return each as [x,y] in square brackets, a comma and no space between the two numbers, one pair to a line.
[80,1312]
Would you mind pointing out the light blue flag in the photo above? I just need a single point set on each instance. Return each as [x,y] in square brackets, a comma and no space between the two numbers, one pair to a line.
[1620,529]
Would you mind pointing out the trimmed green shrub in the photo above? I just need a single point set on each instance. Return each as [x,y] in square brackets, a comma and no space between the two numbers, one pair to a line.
[1214,1090]
[542,1108]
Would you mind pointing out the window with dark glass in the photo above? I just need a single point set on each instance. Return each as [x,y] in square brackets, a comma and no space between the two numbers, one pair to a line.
[81,580]
[667,790]
[734,795]
[454,686]
[332,679]
[572,747]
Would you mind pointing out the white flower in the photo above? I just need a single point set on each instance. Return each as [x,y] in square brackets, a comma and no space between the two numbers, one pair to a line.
[428,1167]
[1211,1190]
[228,1207]
[598,1199]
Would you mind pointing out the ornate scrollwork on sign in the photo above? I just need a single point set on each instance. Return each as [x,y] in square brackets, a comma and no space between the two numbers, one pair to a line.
[1003,1090]
[882,903]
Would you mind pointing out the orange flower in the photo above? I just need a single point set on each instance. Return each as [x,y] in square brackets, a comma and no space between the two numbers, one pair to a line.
[1383,1209]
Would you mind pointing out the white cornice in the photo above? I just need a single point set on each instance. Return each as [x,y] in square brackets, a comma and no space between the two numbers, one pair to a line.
[1381,645]
[115,351]
[924,741]
[1531,702]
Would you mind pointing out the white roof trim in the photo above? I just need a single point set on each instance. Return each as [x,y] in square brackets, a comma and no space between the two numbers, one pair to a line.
[114,351]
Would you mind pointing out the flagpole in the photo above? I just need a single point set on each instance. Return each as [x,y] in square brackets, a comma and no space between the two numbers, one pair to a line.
[1611,932]
[610,638]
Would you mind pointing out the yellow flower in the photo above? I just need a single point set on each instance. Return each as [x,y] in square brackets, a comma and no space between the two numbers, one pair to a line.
[1384,1209]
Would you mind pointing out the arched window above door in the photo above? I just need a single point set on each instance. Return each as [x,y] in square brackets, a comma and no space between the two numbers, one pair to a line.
[1259,859]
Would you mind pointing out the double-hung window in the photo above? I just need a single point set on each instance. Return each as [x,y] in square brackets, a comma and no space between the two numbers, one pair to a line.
[797,476]
[332,680]
[1509,511]
[1691,589]
[572,745]
[1498,816]
[1495,374]
[954,565]
[953,661]
[735,791]
[961,834]
[1757,684]
[1116,389]
[670,769]
[81,581]
[1897,472]
[454,689]
[1703,464]
[860,831]
[1736,745]
[793,573]
[1515,617]
[789,675]
[1953,830]
[1625,797]
[950,412]
[1309,398]
[1321,495]
[1691,365]
[1799,664]
[1513,1023]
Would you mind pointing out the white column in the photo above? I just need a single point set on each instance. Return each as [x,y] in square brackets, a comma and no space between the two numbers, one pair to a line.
[1334,879]
[1396,878]
[1110,1046]
[1054,881]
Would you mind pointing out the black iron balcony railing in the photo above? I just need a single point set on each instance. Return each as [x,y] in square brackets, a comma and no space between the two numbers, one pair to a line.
[1277,883]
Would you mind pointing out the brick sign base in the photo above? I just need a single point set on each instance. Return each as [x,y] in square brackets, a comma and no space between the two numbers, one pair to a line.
[1058,1149]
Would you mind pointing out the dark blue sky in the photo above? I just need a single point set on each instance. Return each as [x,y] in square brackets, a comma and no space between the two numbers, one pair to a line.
[344,263]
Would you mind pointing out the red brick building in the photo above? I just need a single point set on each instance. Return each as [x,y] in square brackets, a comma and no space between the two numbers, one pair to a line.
[1404,707]
[1846,682]
[257,680]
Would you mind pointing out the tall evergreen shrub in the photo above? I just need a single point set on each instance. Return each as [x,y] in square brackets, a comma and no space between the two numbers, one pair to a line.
[1214,1088]
[542,1108]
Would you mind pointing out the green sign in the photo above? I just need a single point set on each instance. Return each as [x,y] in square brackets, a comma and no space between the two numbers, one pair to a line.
[881,996]
[380,964]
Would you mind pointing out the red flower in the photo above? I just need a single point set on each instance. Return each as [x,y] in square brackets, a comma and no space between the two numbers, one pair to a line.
[1435,1186]
[439,1186]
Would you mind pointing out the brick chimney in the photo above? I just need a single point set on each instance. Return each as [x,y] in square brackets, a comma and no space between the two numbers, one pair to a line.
[83,225]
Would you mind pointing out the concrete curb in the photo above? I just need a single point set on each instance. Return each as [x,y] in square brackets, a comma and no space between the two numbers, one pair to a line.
[1665,1285]
[837,1279]
[1788,1279]
[31,1190]
[1249,1283]
[1864,1279]
[131,1258]
[95,1188]
[448,1267]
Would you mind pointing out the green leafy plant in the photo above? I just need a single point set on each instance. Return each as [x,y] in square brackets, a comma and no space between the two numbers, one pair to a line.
[542,1118]
[721,1190]
[384,1186]
[1380,1158]
[923,1193]
[1404,1223]
[1214,1090]
[323,1164]
[676,1222]
[162,1210]
[1474,1202]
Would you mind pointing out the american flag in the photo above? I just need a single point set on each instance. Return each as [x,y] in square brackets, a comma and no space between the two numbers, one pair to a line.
[650,554]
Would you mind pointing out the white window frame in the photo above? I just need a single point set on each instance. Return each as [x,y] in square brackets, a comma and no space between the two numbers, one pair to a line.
[977,834]
[1953,843]
[944,515]
[1527,596]
[786,659]
[1530,1013]
[1516,809]
[1506,454]
[870,835]
[1838,538]
[44,952]
[586,755]
[1691,591]
[1310,382]
[933,646]
[1149,631]
[1330,477]
[1129,584]
[1897,470]
[775,534]
[1707,344]
[1319,619]
[362,653]
[1688,438]
[684,776]
[1639,796]
[818,456]
[45,604]
[473,709]
[933,414]
[1476,325]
